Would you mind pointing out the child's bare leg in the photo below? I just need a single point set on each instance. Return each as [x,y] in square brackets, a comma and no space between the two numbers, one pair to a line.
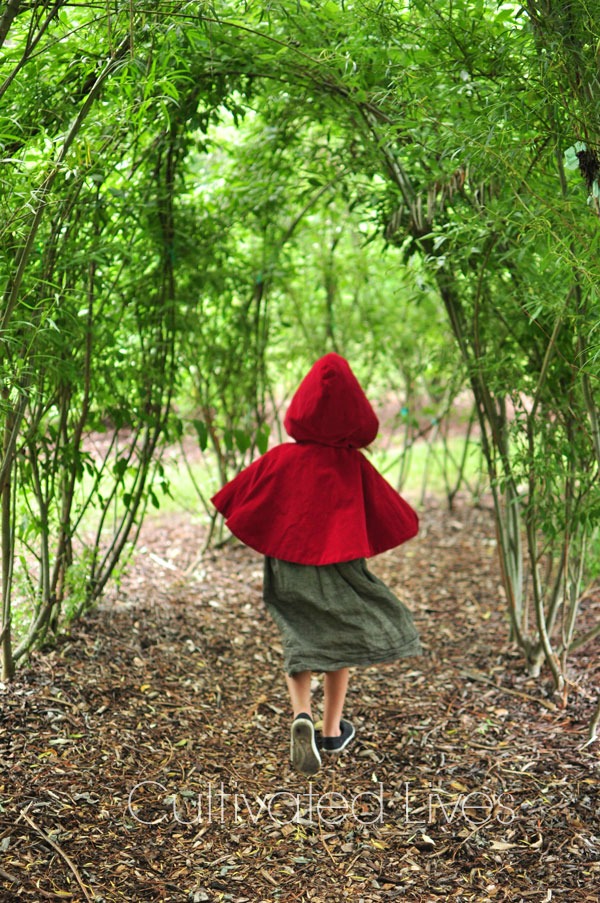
[304,751]
[299,690]
[335,685]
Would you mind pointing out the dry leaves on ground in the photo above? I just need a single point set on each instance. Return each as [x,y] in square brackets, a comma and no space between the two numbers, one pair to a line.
[146,757]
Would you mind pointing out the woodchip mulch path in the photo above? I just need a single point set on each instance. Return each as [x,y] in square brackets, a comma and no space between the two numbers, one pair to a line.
[145,757]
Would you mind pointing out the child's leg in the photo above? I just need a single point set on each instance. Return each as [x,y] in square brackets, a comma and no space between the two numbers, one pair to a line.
[335,686]
[304,750]
[299,690]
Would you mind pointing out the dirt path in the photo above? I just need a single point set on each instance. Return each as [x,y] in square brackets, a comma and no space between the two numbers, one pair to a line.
[146,758]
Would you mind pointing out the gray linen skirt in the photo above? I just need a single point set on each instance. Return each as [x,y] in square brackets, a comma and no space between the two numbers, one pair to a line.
[336,615]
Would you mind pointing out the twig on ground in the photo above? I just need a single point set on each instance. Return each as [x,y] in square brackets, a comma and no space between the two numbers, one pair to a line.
[592,735]
[58,849]
[474,675]
[6,876]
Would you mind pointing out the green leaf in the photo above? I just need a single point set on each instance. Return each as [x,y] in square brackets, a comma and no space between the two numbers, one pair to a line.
[119,468]
[243,440]
[262,439]
[202,433]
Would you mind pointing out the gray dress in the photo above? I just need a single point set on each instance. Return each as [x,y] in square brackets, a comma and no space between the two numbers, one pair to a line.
[336,616]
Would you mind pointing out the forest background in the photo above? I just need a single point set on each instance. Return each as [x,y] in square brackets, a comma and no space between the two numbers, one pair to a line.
[197,200]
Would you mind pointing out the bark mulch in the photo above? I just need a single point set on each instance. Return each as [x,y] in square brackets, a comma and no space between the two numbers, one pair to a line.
[145,757]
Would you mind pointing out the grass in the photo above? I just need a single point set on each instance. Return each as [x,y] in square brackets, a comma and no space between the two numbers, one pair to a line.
[427,469]
[434,469]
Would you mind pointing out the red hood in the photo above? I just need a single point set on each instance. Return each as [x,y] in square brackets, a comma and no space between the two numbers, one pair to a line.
[330,407]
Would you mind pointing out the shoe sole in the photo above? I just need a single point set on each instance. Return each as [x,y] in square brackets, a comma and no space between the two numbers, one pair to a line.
[304,753]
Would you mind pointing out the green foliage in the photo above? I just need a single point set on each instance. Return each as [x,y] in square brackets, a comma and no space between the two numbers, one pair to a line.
[197,201]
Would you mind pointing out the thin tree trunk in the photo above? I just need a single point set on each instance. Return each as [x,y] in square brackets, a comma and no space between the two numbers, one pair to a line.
[8,667]
[10,13]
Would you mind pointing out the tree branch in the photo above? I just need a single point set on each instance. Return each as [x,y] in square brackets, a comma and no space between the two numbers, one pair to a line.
[8,17]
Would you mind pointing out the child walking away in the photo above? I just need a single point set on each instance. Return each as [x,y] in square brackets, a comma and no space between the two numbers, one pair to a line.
[316,509]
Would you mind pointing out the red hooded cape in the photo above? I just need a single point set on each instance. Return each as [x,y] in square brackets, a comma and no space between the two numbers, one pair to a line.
[318,500]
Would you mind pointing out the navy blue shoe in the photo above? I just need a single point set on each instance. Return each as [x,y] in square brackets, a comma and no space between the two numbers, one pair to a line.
[304,752]
[337,744]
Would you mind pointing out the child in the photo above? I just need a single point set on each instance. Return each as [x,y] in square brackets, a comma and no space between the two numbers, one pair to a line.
[316,508]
